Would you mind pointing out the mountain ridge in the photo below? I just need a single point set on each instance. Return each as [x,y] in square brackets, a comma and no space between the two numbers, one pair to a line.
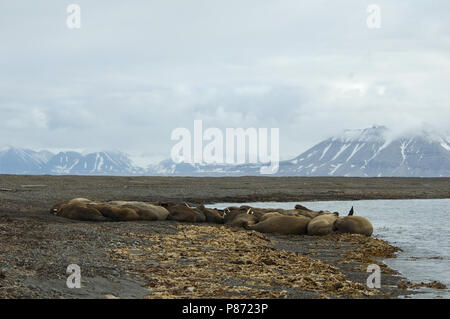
[371,152]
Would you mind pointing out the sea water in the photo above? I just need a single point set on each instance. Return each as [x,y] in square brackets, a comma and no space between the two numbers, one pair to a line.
[420,227]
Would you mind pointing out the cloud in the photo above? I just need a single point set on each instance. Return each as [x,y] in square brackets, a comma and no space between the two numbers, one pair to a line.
[132,74]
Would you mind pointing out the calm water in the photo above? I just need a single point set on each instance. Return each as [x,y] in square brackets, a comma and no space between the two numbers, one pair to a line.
[420,227]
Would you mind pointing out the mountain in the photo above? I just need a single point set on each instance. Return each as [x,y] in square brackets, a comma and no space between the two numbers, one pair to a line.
[370,152]
[24,161]
[374,152]
[99,163]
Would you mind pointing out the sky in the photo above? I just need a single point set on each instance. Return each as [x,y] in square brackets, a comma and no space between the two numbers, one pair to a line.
[135,71]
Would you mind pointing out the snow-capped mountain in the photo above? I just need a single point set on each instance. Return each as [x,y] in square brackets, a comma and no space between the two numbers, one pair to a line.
[374,152]
[99,163]
[370,152]
[24,161]
[367,152]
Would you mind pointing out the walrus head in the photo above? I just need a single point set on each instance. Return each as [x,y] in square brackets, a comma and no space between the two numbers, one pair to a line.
[56,208]
[164,204]
[301,207]
[226,211]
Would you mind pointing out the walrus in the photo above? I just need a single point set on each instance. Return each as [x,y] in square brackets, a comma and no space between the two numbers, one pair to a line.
[239,218]
[116,213]
[182,213]
[212,215]
[313,214]
[261,212]
[301,207]
[309,214]
[353,225]
[55,208]
[79,200]
[78,211]
[146,211]
[234,208]
[293,212]
[269,215]
[282,225]
[200,216]
[257,209]
[322,224]
[256,212]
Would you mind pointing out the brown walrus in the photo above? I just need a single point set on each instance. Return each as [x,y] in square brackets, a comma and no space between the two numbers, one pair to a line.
[269,215]
[239,217]
[182,213]
[212,215]
[257,209]
[282,225]
[77,210]
[116,213]
[261,212]
[85,209]
[304,211]
[287,212]
[58,206]
[353,224]
[146,211]
[322,224]
[301,207]
[200,216]
[309,214]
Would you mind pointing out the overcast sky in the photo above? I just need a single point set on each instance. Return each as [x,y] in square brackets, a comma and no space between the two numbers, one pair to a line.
[136,70]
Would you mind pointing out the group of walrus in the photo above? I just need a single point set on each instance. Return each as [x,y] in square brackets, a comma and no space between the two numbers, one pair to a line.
[299,221]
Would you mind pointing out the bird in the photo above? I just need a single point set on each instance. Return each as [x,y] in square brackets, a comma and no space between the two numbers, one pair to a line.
[350,213]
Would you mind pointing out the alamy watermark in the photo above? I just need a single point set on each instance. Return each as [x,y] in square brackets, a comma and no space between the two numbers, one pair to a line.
[228,147]
[374,19]
[374,279]
[74,280]
[73,21]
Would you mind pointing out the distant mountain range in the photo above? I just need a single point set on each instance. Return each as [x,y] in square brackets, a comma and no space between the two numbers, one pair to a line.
[371,152]
[24,161]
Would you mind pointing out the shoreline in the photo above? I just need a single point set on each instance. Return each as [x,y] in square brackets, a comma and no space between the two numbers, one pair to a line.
[43,191]
[167,259]
[123,259]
